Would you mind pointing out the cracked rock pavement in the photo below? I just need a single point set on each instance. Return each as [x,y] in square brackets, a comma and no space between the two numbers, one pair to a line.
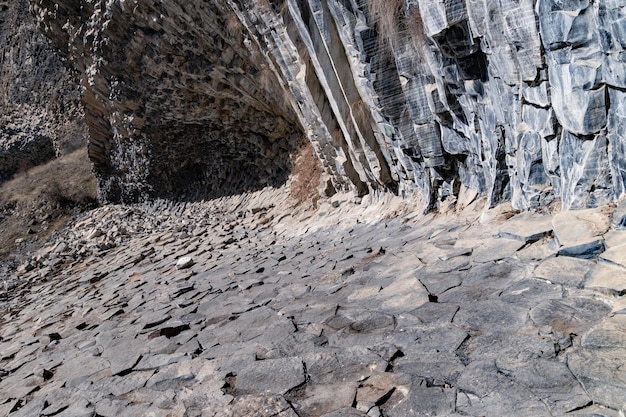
[236,308]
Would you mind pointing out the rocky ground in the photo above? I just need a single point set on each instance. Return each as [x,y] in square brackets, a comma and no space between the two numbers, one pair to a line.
[237,308]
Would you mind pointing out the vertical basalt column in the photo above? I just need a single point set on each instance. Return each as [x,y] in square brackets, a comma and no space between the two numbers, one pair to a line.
[579,52]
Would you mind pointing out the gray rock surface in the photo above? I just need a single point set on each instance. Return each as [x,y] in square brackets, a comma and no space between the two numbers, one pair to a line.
[330,313]
[580,233]
[40,111]
[514,100]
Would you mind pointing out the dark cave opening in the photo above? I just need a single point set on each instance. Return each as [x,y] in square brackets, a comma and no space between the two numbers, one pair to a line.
[199,162]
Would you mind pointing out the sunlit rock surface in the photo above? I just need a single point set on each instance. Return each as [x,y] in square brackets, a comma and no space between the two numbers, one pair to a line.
[237,307]
[513,100]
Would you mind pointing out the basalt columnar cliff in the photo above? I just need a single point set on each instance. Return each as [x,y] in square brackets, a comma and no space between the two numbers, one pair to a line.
[40,109]
[516,100]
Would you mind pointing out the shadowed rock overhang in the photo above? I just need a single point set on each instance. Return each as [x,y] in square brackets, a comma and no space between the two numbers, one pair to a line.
[40,111]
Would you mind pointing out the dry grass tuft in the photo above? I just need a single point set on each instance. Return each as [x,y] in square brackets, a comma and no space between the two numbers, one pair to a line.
[360,111]
[415,25]
[387,14]
[391,19]
[306,177]
[38,201]
[234,27]
[337,136]
[71,175]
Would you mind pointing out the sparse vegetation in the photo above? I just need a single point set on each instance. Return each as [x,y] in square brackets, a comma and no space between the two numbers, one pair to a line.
[38,201]
[234,27]
[306,177]
[391,19]
[360,111]
[387,14]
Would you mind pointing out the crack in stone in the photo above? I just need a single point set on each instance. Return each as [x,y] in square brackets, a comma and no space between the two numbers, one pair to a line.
[462,351]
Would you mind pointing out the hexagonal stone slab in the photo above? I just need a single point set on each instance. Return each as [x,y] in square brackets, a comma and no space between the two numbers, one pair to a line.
[421,399]
[571,315]
[271,376]
[527,227]
[564,270]
[606,335]
[607,277]
[319,399]
[601,371]
[491,316]
[550,380]
[579,233]
[496,249]
[261,406]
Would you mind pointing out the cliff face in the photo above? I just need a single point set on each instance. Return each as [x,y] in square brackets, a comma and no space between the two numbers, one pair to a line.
[180,101]
[514,100]
[40,111]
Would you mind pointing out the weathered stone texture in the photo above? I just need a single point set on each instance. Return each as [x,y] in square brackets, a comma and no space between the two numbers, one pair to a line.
[179,98]
[520,101]
[236,307]
[40,112]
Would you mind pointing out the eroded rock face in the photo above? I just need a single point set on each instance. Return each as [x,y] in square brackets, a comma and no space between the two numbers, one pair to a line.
[40,111]
[514,100]
[179,99]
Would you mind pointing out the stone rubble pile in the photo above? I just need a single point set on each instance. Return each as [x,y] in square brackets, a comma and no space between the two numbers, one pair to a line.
[237,308]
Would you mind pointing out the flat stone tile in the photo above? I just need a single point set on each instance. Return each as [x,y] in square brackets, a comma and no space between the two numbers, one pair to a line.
[438,283]
[259,405]
[574,226]
[615,238]
[569,315]
[353,364]
[421,399]
[403,294]
[550,380]
[437,369]
[429,338]
[120,385]
[601,373]
[528,292]
[607,277]
[609,333]
[435,312]
[564,270]
[616,255]
[320,399]
[527,227]
[496,249]
[491,316]
[272,376]
[579,233]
